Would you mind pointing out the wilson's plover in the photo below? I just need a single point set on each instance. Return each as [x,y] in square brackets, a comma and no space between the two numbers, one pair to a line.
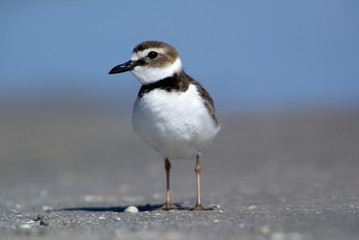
[173,113]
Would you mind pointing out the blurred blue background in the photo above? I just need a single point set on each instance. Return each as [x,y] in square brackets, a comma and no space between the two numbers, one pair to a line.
[250,55]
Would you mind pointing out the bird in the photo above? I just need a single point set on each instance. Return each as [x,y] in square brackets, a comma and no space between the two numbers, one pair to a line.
[173,113]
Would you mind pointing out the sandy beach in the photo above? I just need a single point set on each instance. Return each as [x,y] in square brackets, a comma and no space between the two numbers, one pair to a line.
[276,175]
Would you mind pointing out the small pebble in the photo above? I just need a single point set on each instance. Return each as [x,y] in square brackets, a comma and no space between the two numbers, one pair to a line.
[25,226]
[42,221]
[102,218]
[213,206]
[131,209]
[264,229]
[47,208]
[252,207]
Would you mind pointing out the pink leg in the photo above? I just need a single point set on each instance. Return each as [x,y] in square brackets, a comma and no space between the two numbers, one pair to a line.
[197,169]
[168,204]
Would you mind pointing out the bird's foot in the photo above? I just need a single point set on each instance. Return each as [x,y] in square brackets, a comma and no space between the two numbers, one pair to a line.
[200,207]
[170,206]
[167,206]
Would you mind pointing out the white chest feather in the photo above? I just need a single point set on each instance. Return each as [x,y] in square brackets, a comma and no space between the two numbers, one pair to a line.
[176,124]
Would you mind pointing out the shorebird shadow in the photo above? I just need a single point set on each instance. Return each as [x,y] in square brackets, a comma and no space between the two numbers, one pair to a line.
[141,208]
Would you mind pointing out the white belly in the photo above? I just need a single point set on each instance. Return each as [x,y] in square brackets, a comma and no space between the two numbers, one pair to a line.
[176,124]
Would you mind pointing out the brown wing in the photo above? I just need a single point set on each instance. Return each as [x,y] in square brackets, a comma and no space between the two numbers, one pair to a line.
[207,99]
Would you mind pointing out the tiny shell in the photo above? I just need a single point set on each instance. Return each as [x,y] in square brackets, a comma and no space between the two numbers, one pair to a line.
[131,209]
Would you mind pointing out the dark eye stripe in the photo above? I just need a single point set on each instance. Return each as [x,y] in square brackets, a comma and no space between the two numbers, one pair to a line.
[140,62]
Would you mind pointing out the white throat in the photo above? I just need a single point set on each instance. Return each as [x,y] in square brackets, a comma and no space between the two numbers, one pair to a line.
[147,75]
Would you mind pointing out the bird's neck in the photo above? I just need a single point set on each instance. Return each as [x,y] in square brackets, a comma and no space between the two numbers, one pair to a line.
[178,82]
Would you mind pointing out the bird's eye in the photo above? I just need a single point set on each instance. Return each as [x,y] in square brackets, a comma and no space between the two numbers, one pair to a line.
[152,54]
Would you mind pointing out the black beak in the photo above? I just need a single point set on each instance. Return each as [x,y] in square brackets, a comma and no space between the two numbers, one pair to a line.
[127,66]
